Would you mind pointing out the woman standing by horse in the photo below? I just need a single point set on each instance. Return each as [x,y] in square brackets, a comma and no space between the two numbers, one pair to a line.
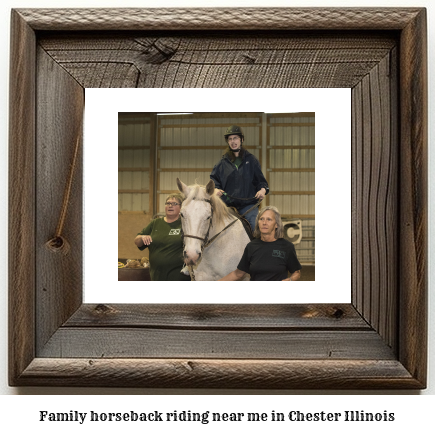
[163,238]
[238,176]
[269,256]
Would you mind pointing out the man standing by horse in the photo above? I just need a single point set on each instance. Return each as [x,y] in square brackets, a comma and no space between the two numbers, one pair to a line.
[238,177]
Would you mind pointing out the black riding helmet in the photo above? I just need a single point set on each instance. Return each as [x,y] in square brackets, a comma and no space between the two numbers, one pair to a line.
[234,130]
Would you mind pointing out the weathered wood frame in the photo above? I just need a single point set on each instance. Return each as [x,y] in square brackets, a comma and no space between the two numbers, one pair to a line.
[377,341]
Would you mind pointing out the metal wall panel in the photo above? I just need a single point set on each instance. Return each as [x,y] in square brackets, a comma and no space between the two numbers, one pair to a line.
[134,142]
[292,181]
[168,179]
[194,144]
[134,132]
[128,180]
[291,175]
[294,206]
[133,202]
[306,248]
[134,158]
[189,158]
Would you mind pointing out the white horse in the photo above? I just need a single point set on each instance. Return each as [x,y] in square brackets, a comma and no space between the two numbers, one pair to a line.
[214,239]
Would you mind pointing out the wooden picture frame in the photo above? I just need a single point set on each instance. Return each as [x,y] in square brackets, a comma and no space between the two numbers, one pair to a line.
[376,342]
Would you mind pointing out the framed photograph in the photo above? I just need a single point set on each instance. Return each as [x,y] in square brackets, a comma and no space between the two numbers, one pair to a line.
[289,132]
[377,341]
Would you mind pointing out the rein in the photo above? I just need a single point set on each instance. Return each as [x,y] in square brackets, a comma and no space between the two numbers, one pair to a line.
[227,226]
[239,198]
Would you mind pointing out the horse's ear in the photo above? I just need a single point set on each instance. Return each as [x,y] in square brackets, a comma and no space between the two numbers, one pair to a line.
[209,188]
[183,188]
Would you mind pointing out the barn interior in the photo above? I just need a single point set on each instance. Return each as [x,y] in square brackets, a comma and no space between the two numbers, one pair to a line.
[154,149]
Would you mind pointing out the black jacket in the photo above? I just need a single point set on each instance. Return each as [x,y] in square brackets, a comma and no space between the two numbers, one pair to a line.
[243,182]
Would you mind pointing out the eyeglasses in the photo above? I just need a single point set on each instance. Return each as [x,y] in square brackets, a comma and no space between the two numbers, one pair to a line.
[172,203]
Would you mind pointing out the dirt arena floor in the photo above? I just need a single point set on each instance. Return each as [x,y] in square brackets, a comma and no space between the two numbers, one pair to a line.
[308,272]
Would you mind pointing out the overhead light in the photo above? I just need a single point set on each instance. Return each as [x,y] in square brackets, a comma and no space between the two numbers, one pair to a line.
[164,114]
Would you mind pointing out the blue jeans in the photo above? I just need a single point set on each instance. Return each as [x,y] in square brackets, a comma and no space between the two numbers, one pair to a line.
[251,216]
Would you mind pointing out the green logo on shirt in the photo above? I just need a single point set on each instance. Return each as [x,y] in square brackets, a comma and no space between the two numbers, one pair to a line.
[174,232]
[278,254]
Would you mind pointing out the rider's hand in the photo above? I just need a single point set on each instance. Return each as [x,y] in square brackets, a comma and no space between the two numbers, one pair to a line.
[260,194]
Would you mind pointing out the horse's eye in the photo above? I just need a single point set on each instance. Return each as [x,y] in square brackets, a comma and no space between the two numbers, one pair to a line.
[182,216]
[208,218]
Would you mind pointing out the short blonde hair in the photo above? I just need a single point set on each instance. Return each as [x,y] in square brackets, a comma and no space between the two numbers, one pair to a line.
[279,231]
[180,197]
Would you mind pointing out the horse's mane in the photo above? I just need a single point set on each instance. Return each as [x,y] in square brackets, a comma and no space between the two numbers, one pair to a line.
[220,210]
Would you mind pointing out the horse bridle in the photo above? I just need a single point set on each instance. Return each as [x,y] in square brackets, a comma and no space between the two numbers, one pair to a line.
[205,242]
[205,239]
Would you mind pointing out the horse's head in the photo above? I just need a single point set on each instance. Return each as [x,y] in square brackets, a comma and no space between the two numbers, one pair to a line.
[196,218]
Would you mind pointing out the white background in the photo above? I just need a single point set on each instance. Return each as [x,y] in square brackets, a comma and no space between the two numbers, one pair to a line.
[333,174]
[20,412]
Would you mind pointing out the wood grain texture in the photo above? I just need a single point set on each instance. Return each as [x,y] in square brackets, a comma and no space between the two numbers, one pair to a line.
[220,18]
[375,198]
[60,105]
[377,342]
[94,342]
[413,188]
[269,317]
[215,60]
[21,197]
[229,374]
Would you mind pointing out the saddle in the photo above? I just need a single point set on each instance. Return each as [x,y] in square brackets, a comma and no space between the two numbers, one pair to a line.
[245,223]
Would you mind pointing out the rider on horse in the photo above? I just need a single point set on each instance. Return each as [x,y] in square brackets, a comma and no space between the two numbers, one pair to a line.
[238,177]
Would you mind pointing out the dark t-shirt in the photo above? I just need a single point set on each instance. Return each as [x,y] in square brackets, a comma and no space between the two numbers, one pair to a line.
[269,261]
[166,250]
